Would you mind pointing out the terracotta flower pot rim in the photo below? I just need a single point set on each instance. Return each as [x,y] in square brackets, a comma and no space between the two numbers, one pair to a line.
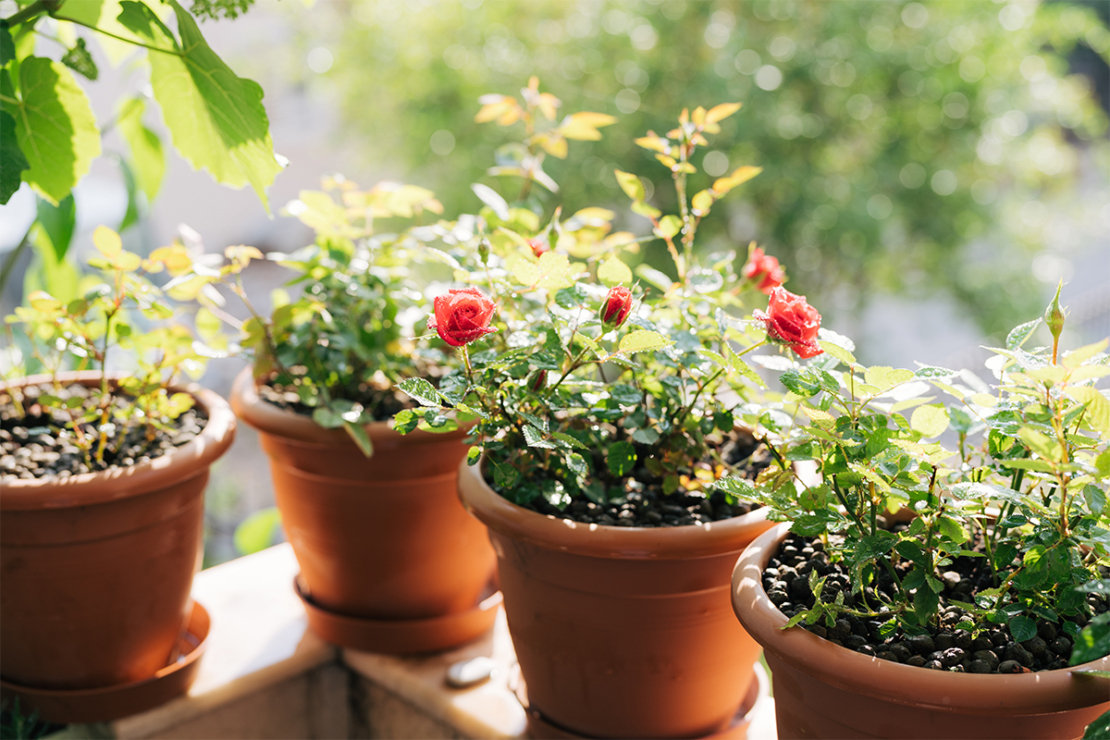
[190,459]
[273,419]
[600,540]
[994,694]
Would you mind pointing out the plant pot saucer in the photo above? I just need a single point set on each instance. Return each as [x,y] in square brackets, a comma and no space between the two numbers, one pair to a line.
[402,636]
[121,700]
[540,728]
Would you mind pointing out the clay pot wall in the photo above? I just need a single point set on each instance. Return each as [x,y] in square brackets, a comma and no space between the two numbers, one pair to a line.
[621,632]
[96,569]
[383,537]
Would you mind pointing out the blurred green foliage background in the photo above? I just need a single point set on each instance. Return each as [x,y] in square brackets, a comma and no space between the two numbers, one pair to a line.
[909,148]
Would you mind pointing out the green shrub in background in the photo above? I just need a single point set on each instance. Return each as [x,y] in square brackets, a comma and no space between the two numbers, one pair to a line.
[899,134]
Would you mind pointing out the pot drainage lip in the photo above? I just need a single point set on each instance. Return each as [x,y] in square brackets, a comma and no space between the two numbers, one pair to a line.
[539,726]
[105,703]
[402,636]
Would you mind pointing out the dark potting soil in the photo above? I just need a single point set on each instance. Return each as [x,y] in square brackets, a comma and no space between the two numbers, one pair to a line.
[944,648]
[39,444]
[645,504]
[382,403]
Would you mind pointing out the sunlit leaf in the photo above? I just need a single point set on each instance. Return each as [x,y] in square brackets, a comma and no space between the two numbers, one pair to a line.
[216,118]
[55,126]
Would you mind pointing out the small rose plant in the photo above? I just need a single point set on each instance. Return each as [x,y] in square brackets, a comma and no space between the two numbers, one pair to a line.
[590,382]
[946,504]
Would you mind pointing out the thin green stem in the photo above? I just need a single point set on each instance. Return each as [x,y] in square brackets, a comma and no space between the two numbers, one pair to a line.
[573,366]
[31,11]
[124,39]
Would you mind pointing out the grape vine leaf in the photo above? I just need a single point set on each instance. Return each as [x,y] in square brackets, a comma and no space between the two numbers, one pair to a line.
[14,163]
[147,154]
[54,126]
[216,118]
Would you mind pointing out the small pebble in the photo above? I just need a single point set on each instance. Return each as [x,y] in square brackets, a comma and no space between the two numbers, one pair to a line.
[467,673]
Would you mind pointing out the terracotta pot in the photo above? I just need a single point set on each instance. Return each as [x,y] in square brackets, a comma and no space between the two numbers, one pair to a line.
[95,569]
[382,537]
[822,690]
[621,632]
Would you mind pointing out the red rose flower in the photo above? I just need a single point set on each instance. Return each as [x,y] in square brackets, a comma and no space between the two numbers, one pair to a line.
[764,269]
[540,245]
[791,321]
[462,316]
[616,307]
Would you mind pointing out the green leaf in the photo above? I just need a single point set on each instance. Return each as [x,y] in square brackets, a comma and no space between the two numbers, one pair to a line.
[669,226]
[58,277]
[358,433]
[567,441]
[838,352]
[738,365]
[1022,628]
[58,221]
[406,421]
[951,529]
[925,603]
[643,209]
[216,118]
[702,202]
[577,465]
[328,417]
[929,421]
[535,438]
[1100,586]
[55,126]
[621,458]
[614,272]
[1019,334]
[493,199]
[1097,414]
[473,455]
[929,372]
[1093,641]
[12,161]
[147,154]
[1100,728]
[1095,498]
[257,531]
[800,384]
[7,46]
[81,61]
[631,185]
[645,436]
[131,215]
[642,340]
[421,391]
[741,488]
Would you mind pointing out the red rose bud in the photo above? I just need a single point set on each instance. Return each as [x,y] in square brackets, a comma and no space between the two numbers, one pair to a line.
[462,316]
[791,321]
[540,245]
[539,382]
[617,306]
[764,270]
